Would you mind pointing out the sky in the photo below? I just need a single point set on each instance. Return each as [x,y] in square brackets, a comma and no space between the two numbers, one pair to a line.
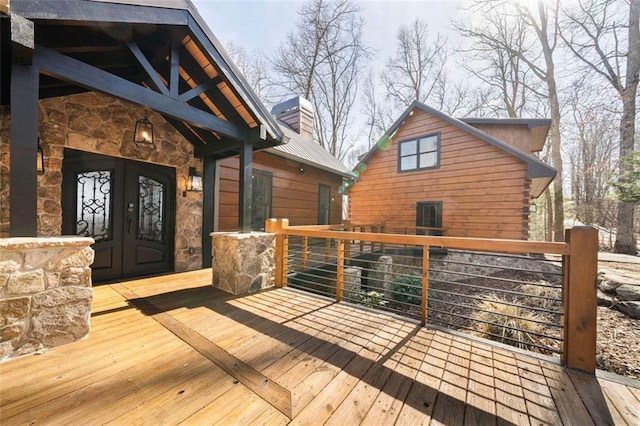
[262,25]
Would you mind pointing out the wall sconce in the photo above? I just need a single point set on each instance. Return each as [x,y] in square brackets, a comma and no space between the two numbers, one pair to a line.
[194,181]
[143,133]
[301,170]
[40,159]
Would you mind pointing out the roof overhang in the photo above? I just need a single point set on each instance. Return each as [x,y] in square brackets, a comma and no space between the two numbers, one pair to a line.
[156,53]
[539,127]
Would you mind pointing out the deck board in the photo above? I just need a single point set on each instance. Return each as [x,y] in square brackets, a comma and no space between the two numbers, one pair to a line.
[339,364]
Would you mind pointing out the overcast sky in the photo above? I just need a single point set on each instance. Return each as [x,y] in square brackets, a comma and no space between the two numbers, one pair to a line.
[262,25]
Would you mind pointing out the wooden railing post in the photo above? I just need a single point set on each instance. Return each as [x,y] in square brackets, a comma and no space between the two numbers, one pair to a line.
[305,249]
[425,284]
[327,250]
[339,269]
[347,243]
[580,270]
[282,247]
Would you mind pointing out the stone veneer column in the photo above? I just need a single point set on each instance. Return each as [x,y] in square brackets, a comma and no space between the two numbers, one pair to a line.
[45,293]
[243,263]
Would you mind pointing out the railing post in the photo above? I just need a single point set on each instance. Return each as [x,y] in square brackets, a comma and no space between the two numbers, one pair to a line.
[327,250]
[373,244]
[425,284]
[361,242]
[305,249]
[282,247]
[580,270]
[339,269]
[347,242]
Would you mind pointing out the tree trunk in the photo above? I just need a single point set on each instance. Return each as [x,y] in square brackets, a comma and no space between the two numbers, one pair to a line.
[548,205]
[556,159]
[625,238]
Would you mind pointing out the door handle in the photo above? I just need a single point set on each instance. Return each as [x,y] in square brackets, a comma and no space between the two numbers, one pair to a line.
[130,221]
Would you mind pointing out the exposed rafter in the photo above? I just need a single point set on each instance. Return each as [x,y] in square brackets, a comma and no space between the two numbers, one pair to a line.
[66,68]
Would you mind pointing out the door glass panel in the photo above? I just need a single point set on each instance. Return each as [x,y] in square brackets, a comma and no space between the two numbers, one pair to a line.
[93,218]
[150,210]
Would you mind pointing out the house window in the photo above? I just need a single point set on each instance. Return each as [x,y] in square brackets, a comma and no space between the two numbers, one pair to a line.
[261,189]
[429,215]
[420,153]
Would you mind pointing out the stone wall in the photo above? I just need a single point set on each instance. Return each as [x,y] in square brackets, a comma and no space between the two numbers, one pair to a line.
[45,293]
[97,123]
[243,263]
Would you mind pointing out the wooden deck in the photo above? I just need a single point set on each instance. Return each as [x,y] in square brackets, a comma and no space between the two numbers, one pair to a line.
[172,349]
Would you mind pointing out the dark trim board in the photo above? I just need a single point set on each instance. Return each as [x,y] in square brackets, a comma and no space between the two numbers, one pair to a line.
[57,65]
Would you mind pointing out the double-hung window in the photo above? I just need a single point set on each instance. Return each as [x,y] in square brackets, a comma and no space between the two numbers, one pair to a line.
[420,153]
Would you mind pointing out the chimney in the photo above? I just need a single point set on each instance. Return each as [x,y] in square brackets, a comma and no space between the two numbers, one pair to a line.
[297,113]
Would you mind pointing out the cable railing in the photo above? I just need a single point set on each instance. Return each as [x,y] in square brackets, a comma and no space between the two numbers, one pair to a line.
[511,291]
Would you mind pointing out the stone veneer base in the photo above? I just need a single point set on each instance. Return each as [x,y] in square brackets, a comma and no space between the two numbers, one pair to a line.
[243,263]
[45,293]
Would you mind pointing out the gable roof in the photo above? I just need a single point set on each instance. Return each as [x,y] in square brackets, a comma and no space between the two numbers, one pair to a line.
[306,151]
[540,173]
[209,68]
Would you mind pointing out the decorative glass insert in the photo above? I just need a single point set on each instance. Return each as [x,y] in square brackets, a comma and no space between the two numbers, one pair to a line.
[421,153]
[150,210]
[94,205]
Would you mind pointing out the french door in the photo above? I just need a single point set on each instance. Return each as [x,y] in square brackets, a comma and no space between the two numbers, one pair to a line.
[127,207]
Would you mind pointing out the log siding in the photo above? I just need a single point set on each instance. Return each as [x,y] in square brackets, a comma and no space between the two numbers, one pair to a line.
[484,191]
[294,196]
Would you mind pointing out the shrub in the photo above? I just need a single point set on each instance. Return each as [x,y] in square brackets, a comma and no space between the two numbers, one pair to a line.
[407,290]
[507,323]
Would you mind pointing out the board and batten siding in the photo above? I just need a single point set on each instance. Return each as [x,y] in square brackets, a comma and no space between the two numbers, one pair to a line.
[294,195]
[484,191]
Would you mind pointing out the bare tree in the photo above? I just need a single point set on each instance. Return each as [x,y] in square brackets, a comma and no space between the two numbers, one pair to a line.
[606,39]
[593,154]
[537,54]
[322,61]
[417,70]
[255,70]
[504,73]
[379,115]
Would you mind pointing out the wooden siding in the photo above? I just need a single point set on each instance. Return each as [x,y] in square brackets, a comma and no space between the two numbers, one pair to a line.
[483,189]
[295,195]
[515,135]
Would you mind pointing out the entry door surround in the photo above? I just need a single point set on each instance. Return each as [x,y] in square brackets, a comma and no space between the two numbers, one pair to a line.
[127,206]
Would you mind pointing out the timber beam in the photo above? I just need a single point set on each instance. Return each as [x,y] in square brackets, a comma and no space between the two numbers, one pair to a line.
[65,68]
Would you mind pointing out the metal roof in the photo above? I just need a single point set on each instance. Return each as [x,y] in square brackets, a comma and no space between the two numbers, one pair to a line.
[540,173]
[308,152]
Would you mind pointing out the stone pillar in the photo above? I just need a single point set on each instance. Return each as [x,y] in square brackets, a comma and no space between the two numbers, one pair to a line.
[380,276]
[351,282]
[45,293]
[243,262]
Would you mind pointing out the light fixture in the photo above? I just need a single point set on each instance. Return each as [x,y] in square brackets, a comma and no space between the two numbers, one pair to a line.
[40,159]
[143,133]
[301,169]
[194,181]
